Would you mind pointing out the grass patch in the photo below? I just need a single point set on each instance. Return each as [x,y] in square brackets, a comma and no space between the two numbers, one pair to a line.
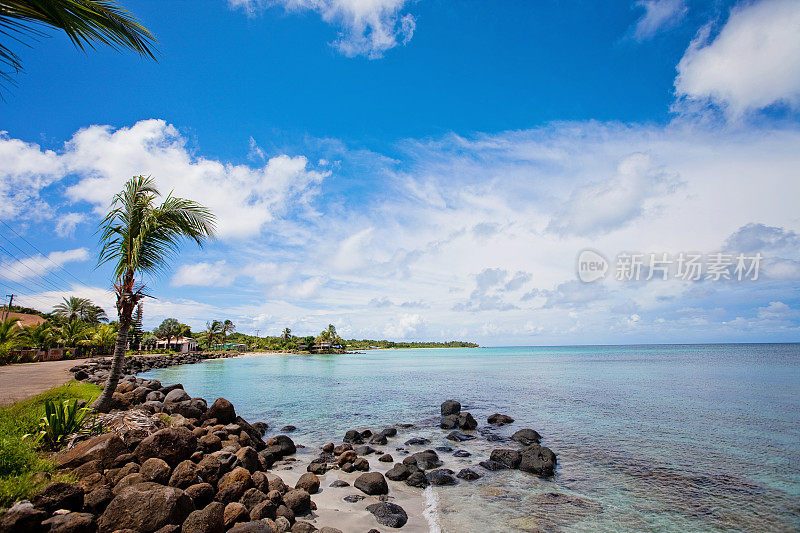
[19,459]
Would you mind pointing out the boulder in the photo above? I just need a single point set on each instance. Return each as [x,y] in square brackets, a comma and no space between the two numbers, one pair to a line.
[386,458]
[155,470]
[201,494]
[424,460]
[499,420]
[264,509]
[347,457]
[441,476]
[308,482]
[299,501]
[211,469]
[222,410]
[538,460]
[417,441]
[173,445]
[449,422]
[461,453]
[492,465]
[339,484]
[526,437]
[22,517]
[457,436]
[95,502]
[388,514]
[303,527]
[232,486]
[417,479]
[104,448]
[175,396]
[450,407]
[252,497]
[282,525]
[361,465]
[468,474]
[127,481]
[260,526]
[71,523]
[210,443]
[288,429]
[388,432]
[371,483]
[185,475]
[248,458]
[354,437]
[467,421]
[235,512]
[145,507]
[59,496]
[206,520]
[398,472]
[510,458]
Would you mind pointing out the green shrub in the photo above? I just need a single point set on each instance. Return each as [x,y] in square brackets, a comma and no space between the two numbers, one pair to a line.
[16,456]
[60,420]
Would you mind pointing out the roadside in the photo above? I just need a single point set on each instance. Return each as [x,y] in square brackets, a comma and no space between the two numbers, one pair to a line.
[26,380]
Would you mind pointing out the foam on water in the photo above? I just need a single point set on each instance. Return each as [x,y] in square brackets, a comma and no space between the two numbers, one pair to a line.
[431,512]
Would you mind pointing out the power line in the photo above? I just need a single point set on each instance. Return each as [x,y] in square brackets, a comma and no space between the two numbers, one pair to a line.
[41,253]
[36,260]
[35,274]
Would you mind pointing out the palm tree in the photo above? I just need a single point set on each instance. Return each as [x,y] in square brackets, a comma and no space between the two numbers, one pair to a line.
[85,22]
[39,336]
[73,333]
[82,309]
[102,337]
[169,328]
[287,334]
[140,237]
[227,327]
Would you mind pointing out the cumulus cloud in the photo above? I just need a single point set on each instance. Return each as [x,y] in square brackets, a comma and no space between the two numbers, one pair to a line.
[658,15]
[405,326]
[66,224]
[367,27]
[760,237]
[203,274]
[38,265]
[752,63]
[245,199]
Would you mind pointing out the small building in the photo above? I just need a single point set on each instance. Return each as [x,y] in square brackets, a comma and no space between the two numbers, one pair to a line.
[230,346]
[25,319]
[179,344]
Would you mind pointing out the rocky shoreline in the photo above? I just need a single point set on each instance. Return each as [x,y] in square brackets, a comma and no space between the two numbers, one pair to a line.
[201,469]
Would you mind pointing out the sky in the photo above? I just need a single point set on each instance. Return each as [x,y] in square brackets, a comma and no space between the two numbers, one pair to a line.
[428,170]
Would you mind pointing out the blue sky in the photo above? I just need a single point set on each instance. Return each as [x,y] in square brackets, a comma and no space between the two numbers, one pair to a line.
[428,169]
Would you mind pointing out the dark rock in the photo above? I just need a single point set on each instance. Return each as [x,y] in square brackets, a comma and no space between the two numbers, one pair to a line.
[538,460]
[450,407]
[303,527]
[207,520]
[318,468]
[354,498]
[288,428]
[361,465]
[210,443]
[71,523]
[424,460]
[417,479]
[466,421]
[461,453]
[235,512]
[385,458]
[328,448]
[259,526]
[185,475]
[372,483]
[492,465]
[252,497]
[500,420]
[347,467]
[449,422]
[441,477]
[354,437]
[339,450]
[248,458]
[443,449]
[127,481]
[173,445]
[468,474]
[364,450]
[211,468]
[308,482]
[201,494]
[388,514]
[388,432]
[457,436]
[264,509]
[22,517]
[398,472]
[177,395]
[417,441]
[145,507]
[526,437]
[95,502]
[261,427]
[59,496]
[222,410]
[104,448]
[507,456]
[298,500]
[155,470]
[339,483]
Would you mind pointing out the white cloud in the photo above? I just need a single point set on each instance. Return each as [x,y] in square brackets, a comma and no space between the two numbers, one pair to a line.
[752,63]
[66,224]
[25,172]
[204,275]
[368,27]
[245,199]
[38,265]
[405,326]
[658,15]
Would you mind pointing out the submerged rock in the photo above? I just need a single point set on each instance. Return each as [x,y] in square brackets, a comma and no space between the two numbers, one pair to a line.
[457,436]
[468,474]
[538,460]
[450,407]
[499,419]
[526,437]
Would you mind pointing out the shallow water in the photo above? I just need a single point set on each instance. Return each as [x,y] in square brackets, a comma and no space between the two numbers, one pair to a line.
[658,438]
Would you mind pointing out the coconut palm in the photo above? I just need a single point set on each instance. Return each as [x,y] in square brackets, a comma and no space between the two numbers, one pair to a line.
[102,338]
[213,329]
[83,309]
[39,336]
[227,327]
[85,22]
[140,237]
[168,329]
[74,333]
[287,334]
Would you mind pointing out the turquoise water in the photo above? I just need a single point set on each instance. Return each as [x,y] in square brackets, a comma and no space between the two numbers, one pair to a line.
[676,437]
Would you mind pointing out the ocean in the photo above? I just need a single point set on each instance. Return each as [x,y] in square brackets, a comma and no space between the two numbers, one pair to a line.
[649,438]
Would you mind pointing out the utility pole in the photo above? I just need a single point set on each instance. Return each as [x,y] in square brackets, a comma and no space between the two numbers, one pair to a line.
[257,332]
[8,310]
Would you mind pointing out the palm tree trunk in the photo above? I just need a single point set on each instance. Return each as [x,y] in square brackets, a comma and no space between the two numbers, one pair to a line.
[125,303]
